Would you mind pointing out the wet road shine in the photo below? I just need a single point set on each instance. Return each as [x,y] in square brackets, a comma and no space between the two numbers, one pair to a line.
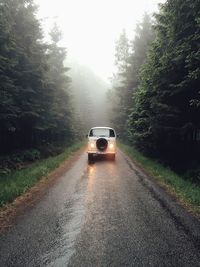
[103,214]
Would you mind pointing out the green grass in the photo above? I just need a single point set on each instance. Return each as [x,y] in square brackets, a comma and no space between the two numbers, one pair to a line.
[184,189]
[18,182]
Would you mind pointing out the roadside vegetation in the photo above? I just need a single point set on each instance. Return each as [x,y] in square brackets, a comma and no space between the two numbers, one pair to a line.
[154,101]
[155,94]
[35,103]
[45,106]
[14,183]
[186,190]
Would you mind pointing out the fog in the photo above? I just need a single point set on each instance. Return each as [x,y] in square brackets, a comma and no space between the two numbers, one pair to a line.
[90,29]
[67,66]
[89,92]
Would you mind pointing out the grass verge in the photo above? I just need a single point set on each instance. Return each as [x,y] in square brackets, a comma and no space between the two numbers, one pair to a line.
[186,191]
[18,182]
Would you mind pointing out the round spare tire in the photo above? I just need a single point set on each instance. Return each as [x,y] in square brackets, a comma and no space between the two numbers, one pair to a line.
[102,144]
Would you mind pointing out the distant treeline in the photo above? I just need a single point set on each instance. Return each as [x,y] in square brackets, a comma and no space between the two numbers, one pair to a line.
[35,103]
[156,89]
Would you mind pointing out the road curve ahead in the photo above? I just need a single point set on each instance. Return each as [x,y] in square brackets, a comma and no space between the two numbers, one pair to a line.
[103,214]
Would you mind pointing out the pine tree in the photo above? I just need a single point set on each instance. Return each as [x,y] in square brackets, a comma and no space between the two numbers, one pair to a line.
[163,119]
[26,64]
[61,112]
[35,102]
[130,56]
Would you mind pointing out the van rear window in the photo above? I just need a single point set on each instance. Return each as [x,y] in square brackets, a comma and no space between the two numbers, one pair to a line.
[102,132]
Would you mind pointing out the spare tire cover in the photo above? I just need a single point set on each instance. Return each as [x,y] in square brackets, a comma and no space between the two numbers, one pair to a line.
[102,144]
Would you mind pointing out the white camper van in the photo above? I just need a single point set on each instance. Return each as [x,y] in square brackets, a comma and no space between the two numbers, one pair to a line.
[101,141]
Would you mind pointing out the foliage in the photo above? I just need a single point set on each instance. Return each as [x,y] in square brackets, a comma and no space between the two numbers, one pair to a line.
[163,122]
[193,175]
[35,104]
[186,190]
[18,159]
[130,55]
[17,182]
[61,111]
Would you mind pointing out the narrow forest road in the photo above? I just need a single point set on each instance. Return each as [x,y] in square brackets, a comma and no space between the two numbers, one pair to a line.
[103,214]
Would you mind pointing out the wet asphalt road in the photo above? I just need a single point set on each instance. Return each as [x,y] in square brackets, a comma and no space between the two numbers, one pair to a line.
[103,214]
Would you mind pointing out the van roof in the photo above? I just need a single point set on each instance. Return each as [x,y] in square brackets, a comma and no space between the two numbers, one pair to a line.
[102,127]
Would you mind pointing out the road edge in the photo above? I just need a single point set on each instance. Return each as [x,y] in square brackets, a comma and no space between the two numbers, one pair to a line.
[10,212]
[182,217]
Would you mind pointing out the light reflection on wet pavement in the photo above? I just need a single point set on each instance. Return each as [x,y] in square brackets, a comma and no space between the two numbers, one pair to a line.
[100,214]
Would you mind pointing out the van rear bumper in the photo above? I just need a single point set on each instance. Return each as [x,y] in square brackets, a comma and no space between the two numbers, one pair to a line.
[101,152]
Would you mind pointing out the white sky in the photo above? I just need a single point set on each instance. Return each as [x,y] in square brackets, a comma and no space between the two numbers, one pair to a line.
[91,27]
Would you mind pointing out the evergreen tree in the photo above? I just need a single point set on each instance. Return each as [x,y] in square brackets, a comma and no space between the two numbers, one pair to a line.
[61,112]
[118,92]
[130,55]
[8,91]
[163,121]
[35,102]
[26,64]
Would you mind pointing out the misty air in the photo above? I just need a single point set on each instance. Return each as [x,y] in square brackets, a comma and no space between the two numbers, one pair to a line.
[99,133]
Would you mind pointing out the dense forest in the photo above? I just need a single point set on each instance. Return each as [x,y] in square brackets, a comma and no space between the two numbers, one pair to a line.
[156,88]
[45,101]
[35,105]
